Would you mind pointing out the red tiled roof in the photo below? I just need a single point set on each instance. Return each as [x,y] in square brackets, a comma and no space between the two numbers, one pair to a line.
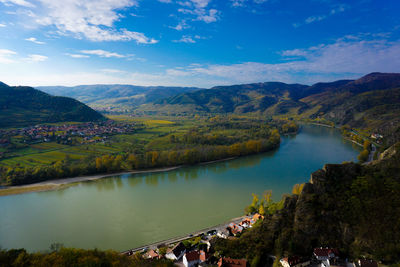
[192,256]
[228,262]
[204,255]
[324,252]
[152,254]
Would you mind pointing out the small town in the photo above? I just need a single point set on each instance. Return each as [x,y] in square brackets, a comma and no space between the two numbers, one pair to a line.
[89,132]
[197,250]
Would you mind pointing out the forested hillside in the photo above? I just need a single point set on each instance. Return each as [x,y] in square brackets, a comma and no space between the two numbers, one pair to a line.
[371,102]
[23,106]
[116,97]
[352,207]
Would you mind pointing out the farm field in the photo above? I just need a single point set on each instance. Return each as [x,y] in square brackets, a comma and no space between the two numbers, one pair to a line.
[153,136]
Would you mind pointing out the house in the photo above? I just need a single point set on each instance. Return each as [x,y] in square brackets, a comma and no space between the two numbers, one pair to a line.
[257,217]
[176,252]
[228,262]
[191,258]
[223,233]
[295,261]
[246,223]
[151,254]
[323,254]
[204,255]
[326,255]
[235,229]
[367,263]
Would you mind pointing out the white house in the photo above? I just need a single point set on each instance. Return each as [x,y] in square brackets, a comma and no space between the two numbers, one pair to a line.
[191,258]
[176,252]
[223,233]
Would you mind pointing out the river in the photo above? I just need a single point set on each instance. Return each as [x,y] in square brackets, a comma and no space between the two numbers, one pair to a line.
[132,210]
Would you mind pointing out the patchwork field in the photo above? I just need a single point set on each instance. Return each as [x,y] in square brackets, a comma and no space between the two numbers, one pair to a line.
[153,136]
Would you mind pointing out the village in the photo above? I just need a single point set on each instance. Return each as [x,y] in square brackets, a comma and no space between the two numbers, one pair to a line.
[89,132]
[197,250]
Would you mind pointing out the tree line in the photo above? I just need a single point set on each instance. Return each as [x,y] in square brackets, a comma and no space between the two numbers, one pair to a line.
[130,161]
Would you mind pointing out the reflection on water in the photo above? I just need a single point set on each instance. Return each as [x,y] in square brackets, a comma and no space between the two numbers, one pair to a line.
[132,210]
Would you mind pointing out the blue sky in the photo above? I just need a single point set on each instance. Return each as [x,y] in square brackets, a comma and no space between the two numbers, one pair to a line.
[195,42]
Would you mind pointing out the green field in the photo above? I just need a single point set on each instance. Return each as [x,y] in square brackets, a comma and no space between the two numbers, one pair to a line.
[153,136]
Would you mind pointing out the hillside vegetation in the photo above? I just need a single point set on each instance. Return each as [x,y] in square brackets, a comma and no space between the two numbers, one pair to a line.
[116,98]
[371,102]
[23,106]
[352,207]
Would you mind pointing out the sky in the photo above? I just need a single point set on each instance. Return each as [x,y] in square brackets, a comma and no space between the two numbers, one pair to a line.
[201,43]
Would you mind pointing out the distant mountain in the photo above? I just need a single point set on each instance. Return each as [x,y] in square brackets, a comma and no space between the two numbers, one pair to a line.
[22,106]
[257,97]
[372,101]
[116,96]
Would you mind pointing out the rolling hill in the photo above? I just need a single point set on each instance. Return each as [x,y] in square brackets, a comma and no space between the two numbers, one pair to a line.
[116,97]
[23,106]
[371,102]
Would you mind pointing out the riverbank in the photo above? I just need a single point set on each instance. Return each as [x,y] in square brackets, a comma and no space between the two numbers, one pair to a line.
[57,184]
[166,242]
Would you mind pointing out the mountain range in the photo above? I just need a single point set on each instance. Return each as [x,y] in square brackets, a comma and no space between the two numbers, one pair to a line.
[371,102]
[23,106]
[116,97]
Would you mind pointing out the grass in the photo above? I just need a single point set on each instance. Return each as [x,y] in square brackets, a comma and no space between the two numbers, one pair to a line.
[153,136]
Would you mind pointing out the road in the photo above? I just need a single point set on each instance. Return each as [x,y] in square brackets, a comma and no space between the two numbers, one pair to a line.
[187,236]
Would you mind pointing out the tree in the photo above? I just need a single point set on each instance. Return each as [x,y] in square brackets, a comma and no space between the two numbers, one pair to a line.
[367,145]
[297,188]
[132,161]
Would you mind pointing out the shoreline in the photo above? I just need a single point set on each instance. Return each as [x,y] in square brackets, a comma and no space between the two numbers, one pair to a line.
[57,184]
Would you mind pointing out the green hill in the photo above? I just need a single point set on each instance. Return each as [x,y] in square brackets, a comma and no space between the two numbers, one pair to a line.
[116,97]
[23,106]
[351,207]
[371,102]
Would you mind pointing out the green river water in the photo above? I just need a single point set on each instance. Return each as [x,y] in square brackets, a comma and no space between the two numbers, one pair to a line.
[128,211]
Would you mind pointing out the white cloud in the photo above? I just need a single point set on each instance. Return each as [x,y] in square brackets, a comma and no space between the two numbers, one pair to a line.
[113,71]
[208,17]
[102,53]
[345,58]
[91,19]
[349,57]
[77,55]
[17,2]
[238,3]
[5,56]
[243,3]
[181,26]
[34,40]
[36,58]
[312,19]
[2,25]
[185,39]
[198,9]
[315,18]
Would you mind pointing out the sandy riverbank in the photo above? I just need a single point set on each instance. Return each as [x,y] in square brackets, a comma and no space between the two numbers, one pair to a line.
[62,183]
[65,182]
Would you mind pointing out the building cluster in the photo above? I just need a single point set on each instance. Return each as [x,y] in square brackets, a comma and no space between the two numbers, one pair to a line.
[235,229]
[203,253]
[89,132]
[325,257]
[188,257]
